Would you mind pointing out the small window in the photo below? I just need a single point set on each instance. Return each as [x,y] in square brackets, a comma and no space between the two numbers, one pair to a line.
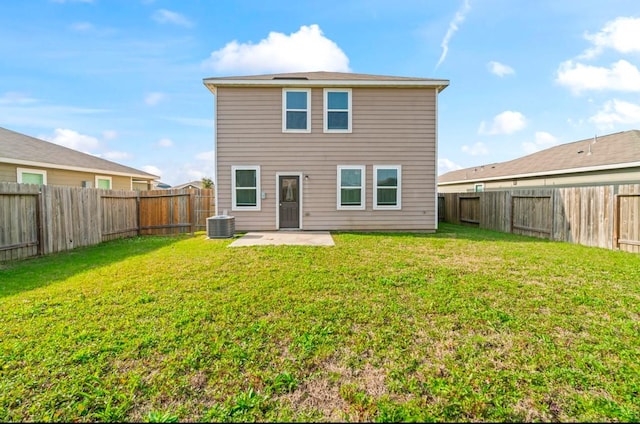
[478,188]
[337,110]
[32,176]
[103,182]
[351,187]
[387,189]
[296,110]
[245,187]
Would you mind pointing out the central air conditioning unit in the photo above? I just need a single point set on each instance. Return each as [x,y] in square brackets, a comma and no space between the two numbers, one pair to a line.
[222,226]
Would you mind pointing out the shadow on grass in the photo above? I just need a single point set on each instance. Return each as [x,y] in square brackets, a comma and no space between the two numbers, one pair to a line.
[29,274]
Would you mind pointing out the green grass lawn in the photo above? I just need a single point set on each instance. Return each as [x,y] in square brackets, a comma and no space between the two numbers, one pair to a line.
[461,325]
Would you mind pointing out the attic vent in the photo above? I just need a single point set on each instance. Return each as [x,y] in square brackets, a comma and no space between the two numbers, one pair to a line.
[290,78]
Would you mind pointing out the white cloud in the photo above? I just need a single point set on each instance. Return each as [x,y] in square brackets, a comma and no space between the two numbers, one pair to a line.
[165,142]
[500,69]
[152,170]
[109,134]
[542,140]
[621,35]
[73,140]
[446,165]
[622,76]
[476,150]
[116,155]
[82,26]
[164,16]
[453,27]
[15,97]
[72,1]
[153,99]
[616,112]
[305,50]
[206,156]
[507,122]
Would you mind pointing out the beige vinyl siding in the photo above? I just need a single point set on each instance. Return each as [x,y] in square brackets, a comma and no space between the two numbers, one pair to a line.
[62,177]
[8,173]
[390,126]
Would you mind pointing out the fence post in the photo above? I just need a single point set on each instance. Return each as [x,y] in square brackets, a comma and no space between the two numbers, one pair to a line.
[138,212]
[192,210]
[39,222]
[616,222]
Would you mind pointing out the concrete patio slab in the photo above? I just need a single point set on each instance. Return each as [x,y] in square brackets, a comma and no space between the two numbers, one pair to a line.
[299,238]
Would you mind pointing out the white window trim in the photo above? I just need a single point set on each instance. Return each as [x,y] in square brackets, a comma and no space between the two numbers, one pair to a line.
[363,180]
[284,110]
[42,172]
[398,206]
[234,207]
[477,186]
[104,177]
[326,92]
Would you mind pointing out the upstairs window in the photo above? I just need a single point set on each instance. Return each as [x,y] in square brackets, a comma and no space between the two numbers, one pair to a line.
[296,110]
[337,110]
[351,187]
[387,186]
[245,182]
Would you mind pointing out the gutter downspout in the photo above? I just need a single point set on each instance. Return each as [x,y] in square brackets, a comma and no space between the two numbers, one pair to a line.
[215,152]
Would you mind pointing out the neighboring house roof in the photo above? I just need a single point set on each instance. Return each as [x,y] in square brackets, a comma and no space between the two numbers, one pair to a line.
[160,185]
[21,149]
[324,79]
[196,184]
[613,151]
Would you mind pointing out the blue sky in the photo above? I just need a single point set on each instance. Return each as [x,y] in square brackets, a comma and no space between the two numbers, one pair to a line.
[122,79]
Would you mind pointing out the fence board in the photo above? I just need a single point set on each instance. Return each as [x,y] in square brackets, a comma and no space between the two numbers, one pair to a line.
[37,220]
[599,216]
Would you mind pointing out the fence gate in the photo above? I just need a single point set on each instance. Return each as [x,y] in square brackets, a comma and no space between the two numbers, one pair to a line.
[626,235]
[20,230]
[469,210]
[532,215]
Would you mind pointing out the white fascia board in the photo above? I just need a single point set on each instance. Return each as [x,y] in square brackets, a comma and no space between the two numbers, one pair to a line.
[75,168]
[548,173]
[212,83]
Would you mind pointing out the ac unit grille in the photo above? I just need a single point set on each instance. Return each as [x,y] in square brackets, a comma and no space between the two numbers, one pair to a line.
[222,226]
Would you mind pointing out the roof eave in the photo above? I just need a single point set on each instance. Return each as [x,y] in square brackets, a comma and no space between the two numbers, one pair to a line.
[77,168]
[547,173]
[213,83]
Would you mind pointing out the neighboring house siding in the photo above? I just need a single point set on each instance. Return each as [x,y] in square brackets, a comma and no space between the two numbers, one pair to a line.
[615,176]
[8,173]
[389,127]
[61,177]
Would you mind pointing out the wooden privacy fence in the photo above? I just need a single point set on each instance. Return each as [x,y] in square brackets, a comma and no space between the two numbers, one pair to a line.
[602,216]
[38,220]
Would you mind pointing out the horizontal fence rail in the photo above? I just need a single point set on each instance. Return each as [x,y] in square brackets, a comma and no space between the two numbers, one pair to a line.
[599,216]
[38,220]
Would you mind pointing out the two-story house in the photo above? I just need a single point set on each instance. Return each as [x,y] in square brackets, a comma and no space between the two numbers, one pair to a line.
[326,151]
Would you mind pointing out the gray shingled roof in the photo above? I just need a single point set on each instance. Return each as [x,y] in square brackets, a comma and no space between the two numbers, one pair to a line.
[609,151]
[322,77]
[23,149]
